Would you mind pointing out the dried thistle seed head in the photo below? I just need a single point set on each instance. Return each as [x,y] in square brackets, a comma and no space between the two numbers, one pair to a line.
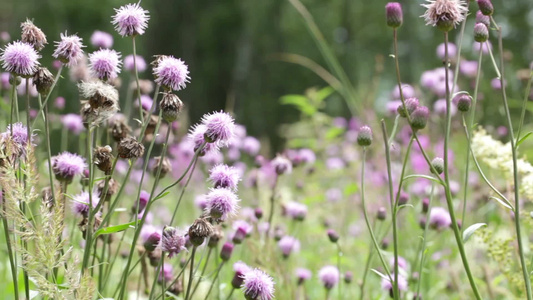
[33,35]
[112,189]
[47,197]
[166,167]
[216,237]
[103,159]
[130,148]
[152,124]
[199,231]
[119,129]
[445,14]
[146,86]
[43,80]
[84,222]
[99,93]
[88,114]
[171,107]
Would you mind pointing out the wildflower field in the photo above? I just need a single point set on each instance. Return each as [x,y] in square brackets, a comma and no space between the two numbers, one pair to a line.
[398,185]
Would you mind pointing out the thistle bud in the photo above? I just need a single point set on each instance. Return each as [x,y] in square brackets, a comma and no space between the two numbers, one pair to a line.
[239,236]
[154,257]
[481,18]
[258,212]
[404,197]
[348,277]
[419,117]
[425,205]
[225,252]
[199,231]
[410,105]
[385,244]
[464,102]
[422,223]
[152,241]
[103,158]
[364,138]
[394,14]
[119,129]
[43,80]
[481,33]
[438,164]
[333,235]
[171,107]
[485,6]
[129,148]
[382,213]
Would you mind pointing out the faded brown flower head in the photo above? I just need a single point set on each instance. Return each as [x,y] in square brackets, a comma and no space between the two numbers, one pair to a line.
[199,231]
[112,189]
[152,124]
[166,167]
[445,14]
[99,93]
[216,237]
[129,148]
[43,80]
[103,159]
[119,129]
[171,107]
[33,35]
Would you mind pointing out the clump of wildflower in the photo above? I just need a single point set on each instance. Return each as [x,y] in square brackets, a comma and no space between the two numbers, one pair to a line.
[364,137]
[20,59]
[67,165]
[258,285]
[170,72]
[43,80]
[101,39]
[394,14]
[69,49]
[172,241]
[439,218]
[220,128]
[33,35]
[288,245]
[130,20]
[171,107]
[224,176]
[329,275]
[221,203]
[130,148]
[445,14]
[105,64]
[281,165]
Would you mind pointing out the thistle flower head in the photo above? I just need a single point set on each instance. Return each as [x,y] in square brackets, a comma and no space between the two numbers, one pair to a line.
[130,148]
[481,18]
[387,285]
[364,136]
[172,241]
[281,165]
[481,33]
[303,274]
[296,210]
[221,203]
[69,49]
[439,218]
[220,128]
[33,35]
[197,136]
[130,20]
[419,117]
[105,64]
[329,275]
[129,64]
[66,165]
[226,251]
[394,14]
[240,269]
[445,14]
[73,123]
[438,164]
[20,58]
[258,285]
[80,203]
[288,245]
[224,176]
[171,72]
[19,136]
[101,39]
[485,6]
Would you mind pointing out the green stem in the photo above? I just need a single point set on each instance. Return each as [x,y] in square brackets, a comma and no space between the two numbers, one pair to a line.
[525,272]
[137,81]
[56,79]
[272,206]
[203,271]
[214,279]
[156,275]
[524,104]
[191,273]
[182,192]
[423,249]
[88,237]
[11,260]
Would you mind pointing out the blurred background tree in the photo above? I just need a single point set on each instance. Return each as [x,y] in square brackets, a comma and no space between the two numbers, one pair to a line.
[231,47]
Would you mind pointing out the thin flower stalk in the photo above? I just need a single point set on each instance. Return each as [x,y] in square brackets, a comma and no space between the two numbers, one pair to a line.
[41,106]
[424,242]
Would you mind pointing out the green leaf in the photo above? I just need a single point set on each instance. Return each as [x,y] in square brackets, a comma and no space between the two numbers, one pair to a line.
[503,203]
[160,196]
[322,94]
[334,132]
[436,180]
[470,230]
[523,138]
[380,274]
[113,229]
[300,102]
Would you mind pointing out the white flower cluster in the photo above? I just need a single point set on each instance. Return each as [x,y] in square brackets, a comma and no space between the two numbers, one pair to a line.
[498,156]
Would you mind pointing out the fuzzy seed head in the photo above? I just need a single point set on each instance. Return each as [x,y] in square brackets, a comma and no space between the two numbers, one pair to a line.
[130,148]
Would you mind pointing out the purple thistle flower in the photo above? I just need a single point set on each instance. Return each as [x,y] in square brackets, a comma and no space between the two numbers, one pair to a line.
[258,285]
[144,197]
[303,275]
[387,285]
[329,275]
[59,103]
[445,14]
[73,123]
[20,58]
[240,269]
[245,226]
[166,273]
[296,210]
[130,20]
[172,73]
[220,128]
[197,136]
[130,66]
[439,218]
[101,39]
[402,263]
[80,203]
[481,18]
[394,14]
[146,102]
[281,165]
[172,241]
[452,51]
[105,64]
[69,49]
[251,145]
[67,165]
[288,245]
[221,203]
[20,134]
[223,176]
